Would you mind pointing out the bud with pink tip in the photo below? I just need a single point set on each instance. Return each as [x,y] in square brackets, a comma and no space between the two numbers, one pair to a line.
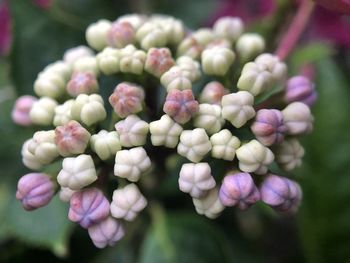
[71,138]
[181,105]
[300,88]
[106,233]
[212,93]
[269,127]
[82,83]
[239,189]
[280,193]
[190,47]
[176,78]
[73,54]
[132,131]
[127,99]
[88,207]
[120,34]
[298,118]
[190,67]
[158,61]
[35,190]
[21,109]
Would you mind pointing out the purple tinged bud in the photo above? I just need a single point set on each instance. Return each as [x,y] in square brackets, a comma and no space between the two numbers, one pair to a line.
[88,207]
[280,193]
[239,189]
[21,109]
[300,88]
[269,127]
[35,190]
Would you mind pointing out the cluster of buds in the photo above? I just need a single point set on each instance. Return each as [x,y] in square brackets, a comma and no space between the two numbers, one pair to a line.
[99,138]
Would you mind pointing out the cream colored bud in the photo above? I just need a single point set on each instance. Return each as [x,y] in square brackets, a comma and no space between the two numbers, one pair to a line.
[73,54]
[249,45]
[96,34]
[105,144]
[298,118]
[190,67]
[204,36]
[289,154]
[62,113]
[50,85]
[209,118]
[151,35]
[28,158]
[217,60]
[165,132]
[108,60]
[136,20]
[65,194]
[132,131]
[229,27]
[190,47]
[61,68]
[42,111]
[209,205]
[273,64]
[224,145]
[173,28]
[43,147]
[87,64]
[176,78]
[132,60]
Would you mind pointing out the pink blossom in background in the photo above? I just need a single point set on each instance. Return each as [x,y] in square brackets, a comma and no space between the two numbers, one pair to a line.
[5,28]
[342,6]
[44,4]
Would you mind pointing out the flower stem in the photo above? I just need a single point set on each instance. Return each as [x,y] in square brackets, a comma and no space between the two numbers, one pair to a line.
[295,30]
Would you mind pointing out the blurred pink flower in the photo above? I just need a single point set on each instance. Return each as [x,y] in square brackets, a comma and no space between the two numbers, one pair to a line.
[44,4]
[5,29]
[342,6]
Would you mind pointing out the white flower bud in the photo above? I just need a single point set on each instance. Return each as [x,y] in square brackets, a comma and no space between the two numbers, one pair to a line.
[196,179]
[249,45]
[62,113]
[130,164]
[209,205]
[136,20]
[65,194]
[132,131]
[88,109]
[229,27]
[273,64]
[224,145]
[238,108]
[289,154]
[173,28]
[176,78]
[61,68]
[105,144]
[43,147]
[209,118]
[87,64]
[42,111]
[217,60]
[28,158]
[254,157]
[73,54]
[96,34]
[204,36]
[194,144]
[151,35]
[132,60]
[77,172]
[190,67]
[189,47]
[127,202]
[50,84]
[298,118]
[108,60]
[165,132]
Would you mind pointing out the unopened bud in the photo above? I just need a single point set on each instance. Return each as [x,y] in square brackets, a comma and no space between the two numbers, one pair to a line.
[42,111]
[190,67]
[108,60]
[50,85]
[289,154]
[204,36]
[224,145]
[229,27]
[96,34]
[43,147]
[249,45]
[82,83]
[151,35]
[190,47]
[66,194]
[105,144]
[120,35]
[298,118]
[21,109]
[73,54]
[136,20]
[212,93]
[132,131]
[159,60]
[217,60]
[209,205]
[300,88]
[176,78]
[273,64]
[132,60]
[28,158]
[62,113]
[87,64]
[209,118]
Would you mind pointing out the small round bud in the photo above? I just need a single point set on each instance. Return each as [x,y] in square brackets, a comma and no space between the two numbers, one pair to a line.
[217,60]
[136,20]
[289,154]
[71,138]
[176,78]
[298,118]
[219,43]
[194,144]
[151,35]
[165,132]
[180,105]
[300,88]
[21,109]
[280,193]
[35,190]
[238,108]
[273,64]
[105,144]
[229,27]
[42,111]
[82,83]
[196,179]
[190,67]
[43,147]
[173,28]
[254,157]
[77,172]
[130,164]
[249,45]
[127,99]
[88,207]
[204,36]
[132,131]
[28,158]
[108,60]
[50,85]
[96,34]
[60,68]
[106,233]
[158,61]
[87,64]
[239,189]
[62,113]
[132,60]
[212,93]
[209,118]
[269,127]
[73,54]
[127,202]
[66,194]
[209,205]
[224,145]
[120,35]
[189,47]
[89,109]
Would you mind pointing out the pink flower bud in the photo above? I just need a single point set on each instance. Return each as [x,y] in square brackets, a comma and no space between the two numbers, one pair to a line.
[107,232]
[127,99]
[82,83]
[35,190]
[158,61]
[300,88]
[180,105]
[120,34]
[21,109]
[238,189]
[213,93]
[269,127]
[280,193]
[88,207]
[71,138]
